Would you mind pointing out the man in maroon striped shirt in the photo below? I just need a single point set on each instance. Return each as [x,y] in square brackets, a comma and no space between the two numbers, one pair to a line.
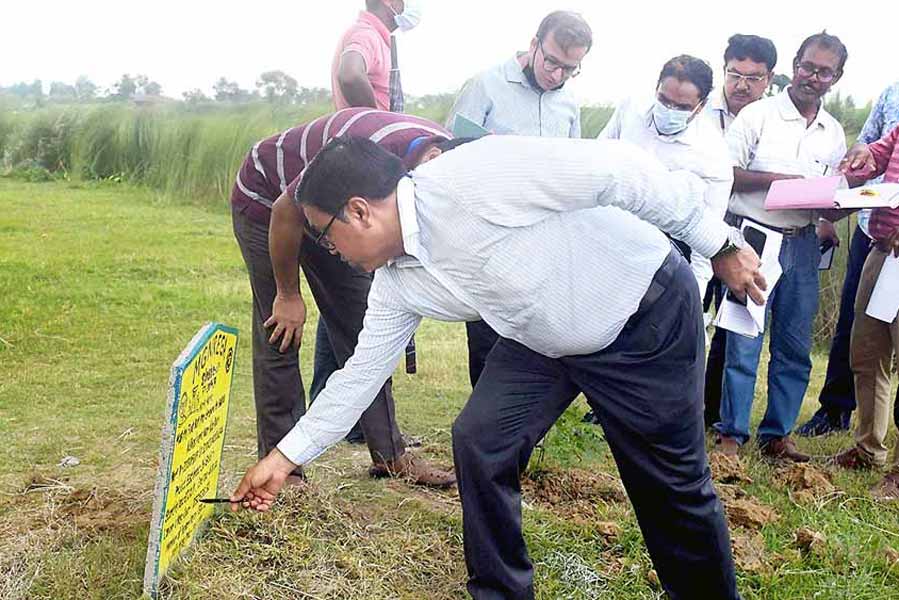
[874,342]
[269,228]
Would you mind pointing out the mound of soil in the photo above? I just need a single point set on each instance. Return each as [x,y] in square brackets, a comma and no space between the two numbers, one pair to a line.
[745,512]
[567,486]
[95,511]
[811,541]
[808,482]
[728,469]
[749,552]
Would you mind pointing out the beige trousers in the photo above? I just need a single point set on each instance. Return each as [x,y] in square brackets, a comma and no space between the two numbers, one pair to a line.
[872,346]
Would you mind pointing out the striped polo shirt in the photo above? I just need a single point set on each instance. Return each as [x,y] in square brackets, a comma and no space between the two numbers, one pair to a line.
[885,221]
[275,164]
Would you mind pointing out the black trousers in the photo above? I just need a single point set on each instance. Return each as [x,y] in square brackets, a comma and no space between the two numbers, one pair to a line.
[341,295]
[646,389]
[714,369]
[481,339]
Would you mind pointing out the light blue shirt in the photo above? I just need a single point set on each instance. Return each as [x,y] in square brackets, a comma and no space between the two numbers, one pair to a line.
[503,101]
[552,242]
[884,116]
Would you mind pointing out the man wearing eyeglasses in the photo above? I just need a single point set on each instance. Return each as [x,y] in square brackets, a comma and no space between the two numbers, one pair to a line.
[787,136]
[670,128]
[526,95]
[749,62]
[269,229]
[568,262]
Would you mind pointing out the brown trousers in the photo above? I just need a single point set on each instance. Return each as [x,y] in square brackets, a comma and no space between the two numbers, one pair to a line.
[871,355]
[341,295]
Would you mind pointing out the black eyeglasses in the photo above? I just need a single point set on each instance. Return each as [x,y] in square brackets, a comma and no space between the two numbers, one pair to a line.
[320,237]
[551,65]
[824,75]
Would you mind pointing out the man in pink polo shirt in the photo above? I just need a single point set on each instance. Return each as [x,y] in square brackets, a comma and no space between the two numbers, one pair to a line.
[365,69]
[874,341]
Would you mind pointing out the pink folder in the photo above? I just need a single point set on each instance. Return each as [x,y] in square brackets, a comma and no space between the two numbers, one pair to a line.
[815,192]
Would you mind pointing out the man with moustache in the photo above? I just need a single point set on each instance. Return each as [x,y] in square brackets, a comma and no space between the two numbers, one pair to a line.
[786,136]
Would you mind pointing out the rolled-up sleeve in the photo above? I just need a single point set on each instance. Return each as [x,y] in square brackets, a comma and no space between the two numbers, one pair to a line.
[385,332]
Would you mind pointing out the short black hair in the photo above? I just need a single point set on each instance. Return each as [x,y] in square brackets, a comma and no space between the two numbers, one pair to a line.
[755,48]
[346,167]
[692,69]
[569,29]
[828,42]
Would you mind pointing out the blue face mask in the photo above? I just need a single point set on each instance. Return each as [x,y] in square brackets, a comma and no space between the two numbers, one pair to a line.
[670,121]
[410,17]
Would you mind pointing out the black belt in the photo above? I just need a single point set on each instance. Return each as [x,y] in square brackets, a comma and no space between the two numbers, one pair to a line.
[787,232]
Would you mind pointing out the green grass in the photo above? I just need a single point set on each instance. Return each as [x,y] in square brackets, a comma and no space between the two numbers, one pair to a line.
[102,285]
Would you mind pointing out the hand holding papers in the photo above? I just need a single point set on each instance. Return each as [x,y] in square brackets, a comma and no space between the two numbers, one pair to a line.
[748,318]
[884,302]
[829,193]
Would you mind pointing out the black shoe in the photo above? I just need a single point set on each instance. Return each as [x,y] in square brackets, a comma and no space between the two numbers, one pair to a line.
[824,422]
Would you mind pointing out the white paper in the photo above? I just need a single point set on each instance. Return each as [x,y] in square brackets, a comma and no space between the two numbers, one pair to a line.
[884,302]
[826,261]
[749,320]
[868,196]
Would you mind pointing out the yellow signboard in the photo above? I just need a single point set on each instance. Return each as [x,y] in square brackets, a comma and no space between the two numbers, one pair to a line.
[193,436]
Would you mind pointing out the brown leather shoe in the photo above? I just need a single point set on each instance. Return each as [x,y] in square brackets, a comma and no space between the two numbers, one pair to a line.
[854,459]
[887,488]
[726,445]
[783,448]
[414,469]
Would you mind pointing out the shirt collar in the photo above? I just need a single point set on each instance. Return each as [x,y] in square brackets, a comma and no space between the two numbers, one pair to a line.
[405,204]
[373,20]
[514,72]
[789,112]
[718,102]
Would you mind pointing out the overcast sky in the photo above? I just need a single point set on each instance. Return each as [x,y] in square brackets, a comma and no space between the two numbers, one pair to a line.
[190,43]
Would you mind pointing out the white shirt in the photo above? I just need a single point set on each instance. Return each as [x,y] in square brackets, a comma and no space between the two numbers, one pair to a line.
[699,149]
[503,101]
[770,135]
[537,236]
[717,112]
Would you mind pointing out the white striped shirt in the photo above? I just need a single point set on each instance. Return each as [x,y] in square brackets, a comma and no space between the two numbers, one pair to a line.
[552,242]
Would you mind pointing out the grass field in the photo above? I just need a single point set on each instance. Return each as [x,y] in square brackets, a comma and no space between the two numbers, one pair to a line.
[101,286]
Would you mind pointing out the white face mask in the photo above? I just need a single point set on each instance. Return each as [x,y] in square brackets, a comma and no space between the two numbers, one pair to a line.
[670,121]
[410,17]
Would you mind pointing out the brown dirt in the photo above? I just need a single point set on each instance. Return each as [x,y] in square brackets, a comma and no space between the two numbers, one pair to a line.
[749,552]
[811,541]
[748,513]
[728,469]
[102,511]
[728,492]
[567,486]
[891,555]
[808,482]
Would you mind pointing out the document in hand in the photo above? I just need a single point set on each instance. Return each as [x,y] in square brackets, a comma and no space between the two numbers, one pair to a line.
[746,317]
[884,302]
[811,192]
[463,127]
[869,196]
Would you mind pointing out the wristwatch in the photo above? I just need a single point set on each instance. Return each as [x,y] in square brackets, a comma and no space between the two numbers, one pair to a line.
[735,242]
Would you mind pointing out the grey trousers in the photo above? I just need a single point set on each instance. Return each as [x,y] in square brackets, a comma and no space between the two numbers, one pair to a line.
[341,295]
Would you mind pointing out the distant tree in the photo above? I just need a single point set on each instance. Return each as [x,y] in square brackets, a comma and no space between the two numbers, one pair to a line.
[61,91]
[85,89]
[125,87]
[149,87]
[33,90]
[229,91]
[779,81]
[277,86]
[313,96]
[195,96]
